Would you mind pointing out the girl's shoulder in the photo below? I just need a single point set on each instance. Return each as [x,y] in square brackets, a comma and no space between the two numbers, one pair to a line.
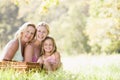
[42,57]
[57,53]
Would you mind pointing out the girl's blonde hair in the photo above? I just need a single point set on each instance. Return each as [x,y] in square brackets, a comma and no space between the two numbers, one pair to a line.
[44,24]
[23,28]
[54,45]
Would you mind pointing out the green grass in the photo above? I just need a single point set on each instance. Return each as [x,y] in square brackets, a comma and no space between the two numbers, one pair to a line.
[83,67]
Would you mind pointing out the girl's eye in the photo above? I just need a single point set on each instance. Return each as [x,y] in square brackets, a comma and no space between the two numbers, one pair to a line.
[39,31]
[50,44]
[45,44]
[27,31]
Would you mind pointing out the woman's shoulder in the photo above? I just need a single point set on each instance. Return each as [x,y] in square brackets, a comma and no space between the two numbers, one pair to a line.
[29,45]
[13,42]
[11,45]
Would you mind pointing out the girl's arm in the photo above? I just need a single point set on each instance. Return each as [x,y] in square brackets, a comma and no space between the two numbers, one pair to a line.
[58,61]
[40,60]
[58,57]
[28,53]
[10,49]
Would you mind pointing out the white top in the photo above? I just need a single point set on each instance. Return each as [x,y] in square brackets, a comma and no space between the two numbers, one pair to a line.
[18,55]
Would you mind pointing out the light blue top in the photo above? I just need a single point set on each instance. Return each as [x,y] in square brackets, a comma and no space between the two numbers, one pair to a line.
[18,55]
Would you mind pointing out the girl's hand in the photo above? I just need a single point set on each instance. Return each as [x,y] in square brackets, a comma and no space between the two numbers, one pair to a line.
[51,60]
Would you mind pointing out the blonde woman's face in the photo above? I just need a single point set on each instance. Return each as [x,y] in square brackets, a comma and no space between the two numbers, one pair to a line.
[48,46]
[41,33]
[28,34]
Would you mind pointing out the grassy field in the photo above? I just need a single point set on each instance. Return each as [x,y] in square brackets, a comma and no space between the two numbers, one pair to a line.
[102,67]
[82,67]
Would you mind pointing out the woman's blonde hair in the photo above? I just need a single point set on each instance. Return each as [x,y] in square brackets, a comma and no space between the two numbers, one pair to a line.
[23,28]
[54,45]
[44,24]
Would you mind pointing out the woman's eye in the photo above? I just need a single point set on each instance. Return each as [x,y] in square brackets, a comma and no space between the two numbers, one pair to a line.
[39,31]
[43,32]
[32,33]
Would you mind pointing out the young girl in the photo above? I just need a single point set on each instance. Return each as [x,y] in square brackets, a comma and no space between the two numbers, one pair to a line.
[51,58]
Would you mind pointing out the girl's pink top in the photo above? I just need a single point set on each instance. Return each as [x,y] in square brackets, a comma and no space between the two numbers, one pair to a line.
[51,59]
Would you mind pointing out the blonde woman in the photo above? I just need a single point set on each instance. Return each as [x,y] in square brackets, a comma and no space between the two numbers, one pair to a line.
[14,49]
[32,50]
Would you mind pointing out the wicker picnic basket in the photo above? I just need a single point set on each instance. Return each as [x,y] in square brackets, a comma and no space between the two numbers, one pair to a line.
[19,65]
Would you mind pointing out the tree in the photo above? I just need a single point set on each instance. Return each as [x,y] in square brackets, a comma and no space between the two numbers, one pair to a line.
[9,22]
[103,26]
[69,27]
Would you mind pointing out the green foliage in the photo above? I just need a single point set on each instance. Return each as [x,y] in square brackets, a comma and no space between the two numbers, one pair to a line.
[70,27]
[11,74]
[103,27]
[9,22]
[115,48]
[34,11]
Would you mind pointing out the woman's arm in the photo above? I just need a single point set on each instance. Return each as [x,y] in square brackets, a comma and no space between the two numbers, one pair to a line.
[28,53]
[10,49]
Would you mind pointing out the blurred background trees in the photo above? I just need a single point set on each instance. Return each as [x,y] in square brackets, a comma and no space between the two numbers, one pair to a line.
[9,21]
[78,26]
[103,26]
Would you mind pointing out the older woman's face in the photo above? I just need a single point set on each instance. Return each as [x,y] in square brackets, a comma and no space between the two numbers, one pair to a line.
[28,34]
[41,33]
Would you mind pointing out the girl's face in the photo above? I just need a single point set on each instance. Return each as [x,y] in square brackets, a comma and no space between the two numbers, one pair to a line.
[48,46]
[28,34]
[41,33]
